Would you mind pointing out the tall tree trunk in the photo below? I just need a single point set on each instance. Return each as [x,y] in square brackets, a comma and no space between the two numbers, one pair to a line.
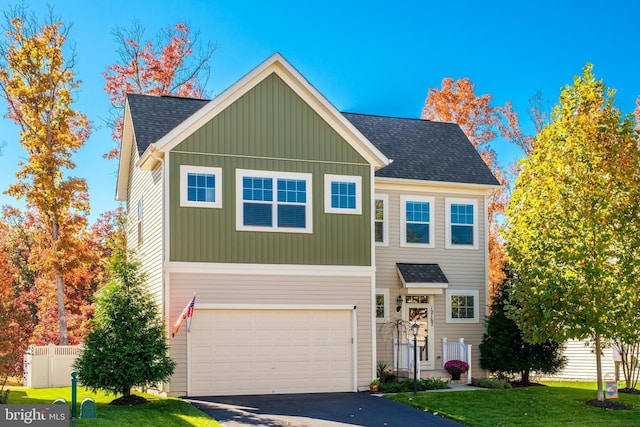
[599,367]
[62,314]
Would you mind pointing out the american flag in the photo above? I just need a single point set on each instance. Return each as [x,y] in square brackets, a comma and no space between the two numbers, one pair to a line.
[186,314]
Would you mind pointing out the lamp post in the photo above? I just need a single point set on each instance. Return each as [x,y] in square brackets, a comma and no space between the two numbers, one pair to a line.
[414,331]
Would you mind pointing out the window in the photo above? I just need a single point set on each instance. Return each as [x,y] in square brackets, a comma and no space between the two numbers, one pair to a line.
[417,221]
[381,228]
[200,186]
[342,194]
[273,201]
[139,221]
[462,306]
[382,298]
[462,230]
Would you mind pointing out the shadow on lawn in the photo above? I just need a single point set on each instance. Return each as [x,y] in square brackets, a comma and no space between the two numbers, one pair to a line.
[18,397]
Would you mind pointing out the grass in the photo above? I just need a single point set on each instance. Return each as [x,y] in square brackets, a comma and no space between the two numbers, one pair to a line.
[558,404]
[158,412]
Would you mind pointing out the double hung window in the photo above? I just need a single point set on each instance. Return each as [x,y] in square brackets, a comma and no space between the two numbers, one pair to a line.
[417,226]
[462,230]
[273,201]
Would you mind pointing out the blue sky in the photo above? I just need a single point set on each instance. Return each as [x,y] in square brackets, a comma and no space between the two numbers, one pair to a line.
[374,57]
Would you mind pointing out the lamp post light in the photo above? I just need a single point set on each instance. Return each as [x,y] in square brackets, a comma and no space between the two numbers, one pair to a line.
[414,331]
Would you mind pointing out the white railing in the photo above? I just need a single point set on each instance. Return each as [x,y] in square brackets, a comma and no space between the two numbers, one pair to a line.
[457,350]
[403,357]
[49,365]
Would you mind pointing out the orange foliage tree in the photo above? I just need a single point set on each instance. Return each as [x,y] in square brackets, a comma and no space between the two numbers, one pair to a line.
[38,83]
[15,318]
[165,67]
[482,123]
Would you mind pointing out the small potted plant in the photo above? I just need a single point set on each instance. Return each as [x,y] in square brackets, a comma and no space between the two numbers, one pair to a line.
[373,385]
[456,368]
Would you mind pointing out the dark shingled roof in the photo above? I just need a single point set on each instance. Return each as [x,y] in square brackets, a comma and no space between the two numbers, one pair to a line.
[422,273]
[424,150]
[155,116]
[420,149]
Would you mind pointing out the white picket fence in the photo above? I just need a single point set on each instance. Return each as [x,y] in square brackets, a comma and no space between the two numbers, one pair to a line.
[49,365]
[457,350]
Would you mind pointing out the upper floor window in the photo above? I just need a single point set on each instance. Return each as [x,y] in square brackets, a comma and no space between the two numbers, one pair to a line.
[200,186]
[343,194]
[381,228]
[462,220]
[462,306]
[273,201]
[417,221]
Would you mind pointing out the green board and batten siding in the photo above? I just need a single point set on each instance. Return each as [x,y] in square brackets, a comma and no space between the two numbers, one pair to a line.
[269,128]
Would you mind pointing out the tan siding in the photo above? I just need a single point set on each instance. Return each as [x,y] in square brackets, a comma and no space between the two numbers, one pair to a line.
[148,185]
[464,268]
[267,289]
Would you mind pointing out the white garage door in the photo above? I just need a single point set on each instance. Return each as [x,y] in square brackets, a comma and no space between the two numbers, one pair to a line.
[235,352]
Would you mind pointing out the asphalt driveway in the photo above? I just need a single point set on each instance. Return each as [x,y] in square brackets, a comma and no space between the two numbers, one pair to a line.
[315,410]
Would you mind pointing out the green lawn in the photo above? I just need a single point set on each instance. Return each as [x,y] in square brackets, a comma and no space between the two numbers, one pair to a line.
[158,412]
[558,404]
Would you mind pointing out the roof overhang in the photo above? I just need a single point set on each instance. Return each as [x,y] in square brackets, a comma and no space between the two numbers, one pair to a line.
[422,279]
[385,183]
[127,146]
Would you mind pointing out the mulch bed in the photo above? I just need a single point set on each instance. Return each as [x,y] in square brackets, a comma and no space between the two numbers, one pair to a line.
[609,404]
[130,400]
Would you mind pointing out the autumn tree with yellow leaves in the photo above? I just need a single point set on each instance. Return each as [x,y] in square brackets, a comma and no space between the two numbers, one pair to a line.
[37,81]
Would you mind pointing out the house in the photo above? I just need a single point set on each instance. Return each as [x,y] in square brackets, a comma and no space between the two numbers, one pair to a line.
[298,227]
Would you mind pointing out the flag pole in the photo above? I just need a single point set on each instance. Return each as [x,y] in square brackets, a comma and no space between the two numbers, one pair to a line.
[192,310]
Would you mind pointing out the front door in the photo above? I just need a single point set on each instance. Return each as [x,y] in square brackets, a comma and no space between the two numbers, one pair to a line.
[418,309]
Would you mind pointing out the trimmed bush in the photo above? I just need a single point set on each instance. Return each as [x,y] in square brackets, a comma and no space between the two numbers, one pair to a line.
[407,385]
[490,383]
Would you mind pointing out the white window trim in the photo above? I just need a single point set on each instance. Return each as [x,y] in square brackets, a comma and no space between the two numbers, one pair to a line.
[452,293]
[403,221]
[241,173]
[448,202]
[357,180]
[385,219]
[385,293]
[186,169]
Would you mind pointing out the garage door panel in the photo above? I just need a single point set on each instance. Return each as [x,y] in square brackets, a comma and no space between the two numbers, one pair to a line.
[270,351]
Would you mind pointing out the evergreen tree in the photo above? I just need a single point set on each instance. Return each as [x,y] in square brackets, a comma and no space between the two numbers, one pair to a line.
[127,343]
[503,348]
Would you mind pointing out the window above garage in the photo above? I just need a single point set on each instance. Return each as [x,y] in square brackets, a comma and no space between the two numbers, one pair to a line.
[273,201]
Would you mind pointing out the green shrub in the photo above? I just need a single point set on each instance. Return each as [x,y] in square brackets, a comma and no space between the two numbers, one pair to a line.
[433,384]
[4,396]
[407,385]
[490,383]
